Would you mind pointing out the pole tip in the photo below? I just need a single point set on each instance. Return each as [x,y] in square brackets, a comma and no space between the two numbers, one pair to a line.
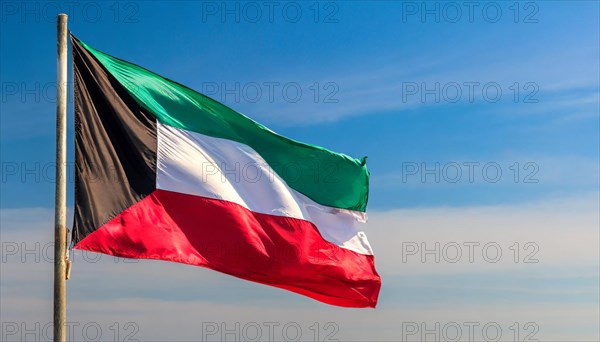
[63,16]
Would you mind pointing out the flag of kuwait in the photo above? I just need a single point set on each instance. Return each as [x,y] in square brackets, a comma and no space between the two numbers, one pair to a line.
[164,172]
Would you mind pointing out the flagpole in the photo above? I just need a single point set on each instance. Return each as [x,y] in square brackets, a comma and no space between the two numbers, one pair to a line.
[60,200]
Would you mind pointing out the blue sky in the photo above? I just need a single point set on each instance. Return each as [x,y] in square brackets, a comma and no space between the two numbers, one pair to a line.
[513,159]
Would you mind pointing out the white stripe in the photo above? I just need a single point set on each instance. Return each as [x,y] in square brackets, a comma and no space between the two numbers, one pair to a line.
[196,164]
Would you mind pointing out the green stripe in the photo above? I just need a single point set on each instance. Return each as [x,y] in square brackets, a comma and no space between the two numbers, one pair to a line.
[329,178]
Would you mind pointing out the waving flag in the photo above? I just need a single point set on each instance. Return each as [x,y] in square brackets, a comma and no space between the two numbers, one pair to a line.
[164,172]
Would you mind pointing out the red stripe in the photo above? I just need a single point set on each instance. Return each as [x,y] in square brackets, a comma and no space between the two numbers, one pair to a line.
[279,251]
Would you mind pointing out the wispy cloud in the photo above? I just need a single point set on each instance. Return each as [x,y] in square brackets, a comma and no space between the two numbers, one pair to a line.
[567,79]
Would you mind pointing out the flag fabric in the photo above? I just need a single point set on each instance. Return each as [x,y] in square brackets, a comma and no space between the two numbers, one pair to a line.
[164,172]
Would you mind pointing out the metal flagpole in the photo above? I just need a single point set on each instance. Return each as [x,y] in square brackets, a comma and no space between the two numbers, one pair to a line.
[60,201]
